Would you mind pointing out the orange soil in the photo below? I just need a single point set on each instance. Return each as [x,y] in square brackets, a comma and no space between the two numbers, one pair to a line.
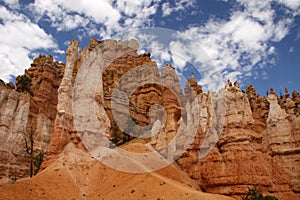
[76,175]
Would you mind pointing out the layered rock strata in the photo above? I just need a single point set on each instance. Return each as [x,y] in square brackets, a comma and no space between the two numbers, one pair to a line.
[254,148]
[27,117]
[241,139]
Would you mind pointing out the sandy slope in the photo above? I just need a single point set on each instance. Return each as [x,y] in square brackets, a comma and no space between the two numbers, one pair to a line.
[76,175]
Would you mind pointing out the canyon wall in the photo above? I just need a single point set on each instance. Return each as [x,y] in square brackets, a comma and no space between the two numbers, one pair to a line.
[251,150]
[27,117]
[241,138]
[14,116]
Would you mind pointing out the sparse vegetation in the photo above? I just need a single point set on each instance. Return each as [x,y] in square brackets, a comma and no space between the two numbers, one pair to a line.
[35,162]
[254,194]
[13,179]
[23,83]
[162,183]
[118,137]
[115,133]
[130,125]
[38,162]
[29,149]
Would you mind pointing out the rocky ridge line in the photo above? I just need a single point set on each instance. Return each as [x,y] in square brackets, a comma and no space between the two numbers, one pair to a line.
[259,144]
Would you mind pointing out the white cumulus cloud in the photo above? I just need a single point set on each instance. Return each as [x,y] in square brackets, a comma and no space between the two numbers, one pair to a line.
[240,45]
[292,4]
[180,5]
[104,17]
[18,38]
[12,3]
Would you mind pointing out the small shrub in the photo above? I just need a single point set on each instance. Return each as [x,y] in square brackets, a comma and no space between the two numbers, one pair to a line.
[38,162]
[23,83]
[254,194]
[162,183]
[13,179]
[115,133]
[118,137]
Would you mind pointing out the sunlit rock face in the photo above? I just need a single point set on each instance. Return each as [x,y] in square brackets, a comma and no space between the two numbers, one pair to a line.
[241,139]
[282,138]
[258,146]
[29,110]
[14,116]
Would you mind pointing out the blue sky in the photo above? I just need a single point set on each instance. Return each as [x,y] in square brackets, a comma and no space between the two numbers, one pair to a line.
[249,41]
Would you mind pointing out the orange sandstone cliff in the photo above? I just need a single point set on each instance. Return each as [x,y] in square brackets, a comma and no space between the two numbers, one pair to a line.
[240,139]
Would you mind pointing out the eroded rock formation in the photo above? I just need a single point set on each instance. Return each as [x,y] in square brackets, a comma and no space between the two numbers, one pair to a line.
[241,158]
[14,115]
[27,116]
[241,139]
